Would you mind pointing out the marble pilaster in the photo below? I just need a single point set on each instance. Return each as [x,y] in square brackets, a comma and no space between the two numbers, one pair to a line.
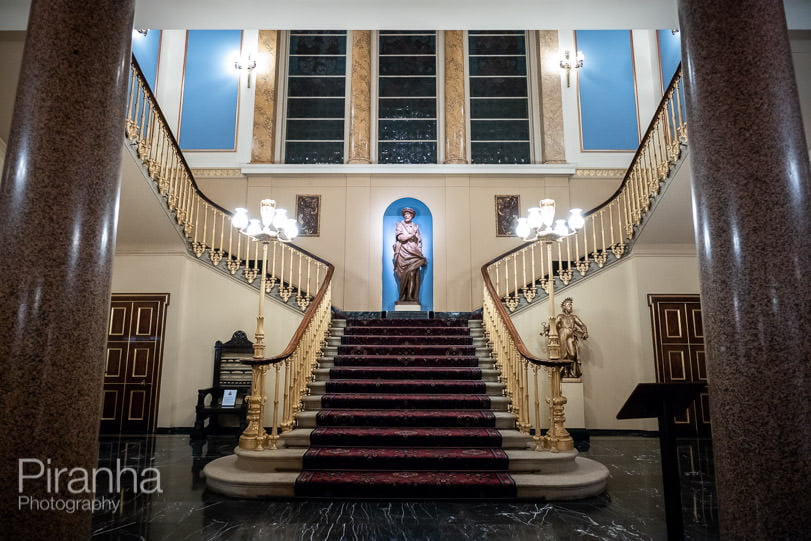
[455,103]
[360,100]
[751,192]
[58,214]
[264,110]
[552,140]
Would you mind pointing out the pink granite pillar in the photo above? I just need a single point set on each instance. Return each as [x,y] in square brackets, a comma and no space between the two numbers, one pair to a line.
[752,197]
[58,214]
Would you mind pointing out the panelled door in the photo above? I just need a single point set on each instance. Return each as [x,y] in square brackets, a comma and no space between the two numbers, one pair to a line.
[133,364]
[678,339]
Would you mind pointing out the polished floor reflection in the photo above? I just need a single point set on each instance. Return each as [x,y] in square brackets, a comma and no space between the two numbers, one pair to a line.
[632,507]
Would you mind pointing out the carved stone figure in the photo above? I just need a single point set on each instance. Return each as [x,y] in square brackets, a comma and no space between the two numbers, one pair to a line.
[570,331]
[408,257]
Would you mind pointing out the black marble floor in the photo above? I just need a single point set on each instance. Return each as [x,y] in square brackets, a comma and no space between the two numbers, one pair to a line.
[632,507]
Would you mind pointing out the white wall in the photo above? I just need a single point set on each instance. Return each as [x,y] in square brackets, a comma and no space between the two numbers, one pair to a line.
[463,213]
[204,306]
[619,351]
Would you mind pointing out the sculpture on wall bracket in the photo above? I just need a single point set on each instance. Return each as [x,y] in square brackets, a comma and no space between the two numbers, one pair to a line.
[408,258]
[571,330]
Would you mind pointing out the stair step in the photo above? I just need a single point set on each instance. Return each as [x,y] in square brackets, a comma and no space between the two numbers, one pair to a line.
[411,436]
[405,437]
[411,417]
[406,386]
[427,361]
[415,401]
[423,373]
[400,458]
[407,340]
[406,485]
[411,349]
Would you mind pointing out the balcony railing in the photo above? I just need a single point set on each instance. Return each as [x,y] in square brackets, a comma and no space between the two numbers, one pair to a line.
[291,273]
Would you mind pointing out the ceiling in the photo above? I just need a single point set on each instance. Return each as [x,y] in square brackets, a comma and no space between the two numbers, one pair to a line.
[404,14]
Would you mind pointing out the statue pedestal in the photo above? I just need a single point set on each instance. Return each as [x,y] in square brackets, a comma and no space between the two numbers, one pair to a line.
[572,389]
[575,407]
[407,306]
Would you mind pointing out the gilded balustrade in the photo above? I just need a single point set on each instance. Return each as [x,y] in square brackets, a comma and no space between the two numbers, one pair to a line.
[610,228]
[290,273]
[517,277]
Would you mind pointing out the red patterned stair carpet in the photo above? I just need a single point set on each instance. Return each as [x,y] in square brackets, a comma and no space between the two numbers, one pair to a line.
[405,415]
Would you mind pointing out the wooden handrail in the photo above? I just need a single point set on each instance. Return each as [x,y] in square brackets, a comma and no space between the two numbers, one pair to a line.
[513,332]
[302,328]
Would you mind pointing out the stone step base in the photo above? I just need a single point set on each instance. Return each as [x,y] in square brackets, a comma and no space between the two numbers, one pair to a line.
[266,474]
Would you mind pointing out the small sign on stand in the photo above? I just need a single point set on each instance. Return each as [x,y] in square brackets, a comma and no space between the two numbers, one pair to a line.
[229,398]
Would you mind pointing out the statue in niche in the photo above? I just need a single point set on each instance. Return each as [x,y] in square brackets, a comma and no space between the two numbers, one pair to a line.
[408,257]
[570,331]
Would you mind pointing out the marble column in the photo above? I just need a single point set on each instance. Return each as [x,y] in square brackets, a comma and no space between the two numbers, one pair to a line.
[553,149]
[455,103]
[58,214]
[360,99]
[264,108]
[751,193]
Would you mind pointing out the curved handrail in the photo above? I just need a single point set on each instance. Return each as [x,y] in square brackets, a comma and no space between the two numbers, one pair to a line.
[610,227]
[513,332]
[672,87]
[607,228]
[157,147]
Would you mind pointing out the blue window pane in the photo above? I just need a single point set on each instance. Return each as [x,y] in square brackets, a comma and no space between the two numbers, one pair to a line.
[315,108]
[315,129]
[317,65]
[407,108]
[499,152]
[407,152]
[407,130]
[407,86]
[314,152]
[498,86]
[496,108]
[316,86]
[407,44]
[498,65]
[317,44]
[487,32]
[499,130]
[496,44]
[407,65]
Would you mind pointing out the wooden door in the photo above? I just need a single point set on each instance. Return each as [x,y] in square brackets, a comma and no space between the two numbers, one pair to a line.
[133,364]
[678,340]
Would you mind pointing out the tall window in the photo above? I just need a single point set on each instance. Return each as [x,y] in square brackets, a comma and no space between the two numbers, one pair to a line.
[407,97]
[499,104]
[316,94]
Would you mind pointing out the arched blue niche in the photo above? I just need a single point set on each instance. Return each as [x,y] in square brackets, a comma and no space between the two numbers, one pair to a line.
[425,221]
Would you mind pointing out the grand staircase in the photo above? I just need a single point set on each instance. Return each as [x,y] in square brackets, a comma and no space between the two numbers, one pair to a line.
[406,409]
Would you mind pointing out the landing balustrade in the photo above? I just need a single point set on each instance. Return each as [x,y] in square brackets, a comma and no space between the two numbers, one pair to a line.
[292,276]
[519,279]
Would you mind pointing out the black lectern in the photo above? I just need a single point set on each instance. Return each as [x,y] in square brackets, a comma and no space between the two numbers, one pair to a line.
[662,400]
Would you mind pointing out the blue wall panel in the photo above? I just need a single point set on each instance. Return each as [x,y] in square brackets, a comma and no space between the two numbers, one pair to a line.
[607,92]
[425,221]
[208,118]
[146,49]
[669,54]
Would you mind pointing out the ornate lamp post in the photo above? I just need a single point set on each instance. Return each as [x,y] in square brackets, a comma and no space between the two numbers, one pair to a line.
[274,225]
[538,225]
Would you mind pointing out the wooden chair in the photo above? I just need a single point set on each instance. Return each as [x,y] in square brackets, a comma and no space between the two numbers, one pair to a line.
[211,416]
